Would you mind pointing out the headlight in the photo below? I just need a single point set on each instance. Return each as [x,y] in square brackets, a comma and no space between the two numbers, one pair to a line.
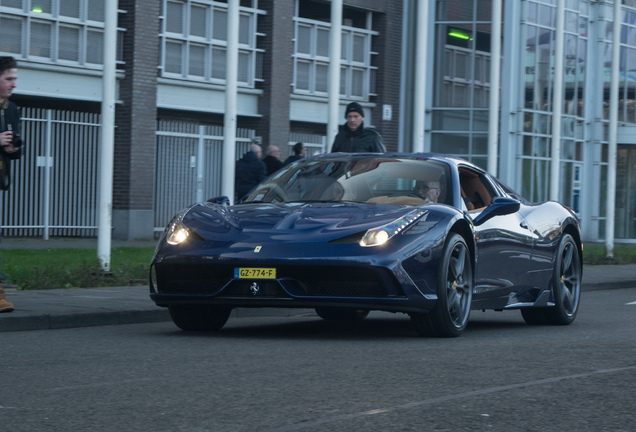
[178,234]
[380,235]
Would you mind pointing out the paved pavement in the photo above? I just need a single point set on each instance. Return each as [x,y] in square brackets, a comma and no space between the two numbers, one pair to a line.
[67,308]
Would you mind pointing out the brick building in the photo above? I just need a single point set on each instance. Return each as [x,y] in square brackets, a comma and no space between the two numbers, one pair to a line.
[170,101]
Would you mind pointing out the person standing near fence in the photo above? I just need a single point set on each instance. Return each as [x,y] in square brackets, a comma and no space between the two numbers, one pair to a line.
[250,171]
[271,160]
[353,137]
[299,153]
[10,141]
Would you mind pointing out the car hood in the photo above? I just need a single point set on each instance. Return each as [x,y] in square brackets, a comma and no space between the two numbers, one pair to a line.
[326,221]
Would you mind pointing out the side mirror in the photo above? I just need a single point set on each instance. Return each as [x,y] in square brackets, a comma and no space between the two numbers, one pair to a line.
[222,200]
[499,206]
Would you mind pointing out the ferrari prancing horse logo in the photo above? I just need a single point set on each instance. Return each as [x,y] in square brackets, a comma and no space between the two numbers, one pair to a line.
[257,249]
[254,288]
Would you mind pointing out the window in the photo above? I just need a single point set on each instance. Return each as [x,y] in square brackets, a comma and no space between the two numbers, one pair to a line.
[67,32]
[462,80]
[534,154]
[311,53]
[194,41]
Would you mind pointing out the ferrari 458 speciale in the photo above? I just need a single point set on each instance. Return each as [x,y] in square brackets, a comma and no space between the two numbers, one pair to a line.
[427,235]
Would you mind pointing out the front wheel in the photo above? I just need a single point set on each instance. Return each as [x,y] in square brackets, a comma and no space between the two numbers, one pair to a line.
[199,318]
[449,316]
[566,288]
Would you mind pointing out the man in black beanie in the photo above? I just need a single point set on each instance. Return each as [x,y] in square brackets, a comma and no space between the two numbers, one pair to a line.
[354,137]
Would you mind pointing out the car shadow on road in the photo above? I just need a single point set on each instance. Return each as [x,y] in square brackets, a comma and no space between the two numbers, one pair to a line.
[378,326]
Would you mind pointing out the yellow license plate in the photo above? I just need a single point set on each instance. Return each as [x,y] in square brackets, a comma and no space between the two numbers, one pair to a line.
[254,273]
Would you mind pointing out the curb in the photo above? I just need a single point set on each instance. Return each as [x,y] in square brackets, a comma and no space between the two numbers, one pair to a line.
[95,319]
[90,319]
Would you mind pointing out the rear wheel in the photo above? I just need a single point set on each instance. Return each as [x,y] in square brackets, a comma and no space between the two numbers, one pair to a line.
[449,316]
[341,314]
[199,318]
[566,288]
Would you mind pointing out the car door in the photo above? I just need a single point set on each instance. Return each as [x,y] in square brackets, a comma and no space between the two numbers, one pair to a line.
[543,221]
[504,243]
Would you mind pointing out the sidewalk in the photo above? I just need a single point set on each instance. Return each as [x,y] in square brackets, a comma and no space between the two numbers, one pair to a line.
[68,308]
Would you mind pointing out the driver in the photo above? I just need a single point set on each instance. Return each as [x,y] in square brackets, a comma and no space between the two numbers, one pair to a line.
[335,192]
[429,190]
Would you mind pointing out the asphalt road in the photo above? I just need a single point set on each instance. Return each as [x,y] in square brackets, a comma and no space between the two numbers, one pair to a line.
[299,373]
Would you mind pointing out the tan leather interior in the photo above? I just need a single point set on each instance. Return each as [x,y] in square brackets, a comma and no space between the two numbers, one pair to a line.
[474,193]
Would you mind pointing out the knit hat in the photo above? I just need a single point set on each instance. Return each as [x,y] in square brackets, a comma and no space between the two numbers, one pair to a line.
[354,106]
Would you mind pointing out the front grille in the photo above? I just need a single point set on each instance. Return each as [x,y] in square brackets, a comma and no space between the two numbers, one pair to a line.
[189,279]
[294,281]
[190,286]
[338,288]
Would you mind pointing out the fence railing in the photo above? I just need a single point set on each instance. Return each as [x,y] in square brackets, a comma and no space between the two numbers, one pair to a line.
[189,157]
[55,183]
[54,189]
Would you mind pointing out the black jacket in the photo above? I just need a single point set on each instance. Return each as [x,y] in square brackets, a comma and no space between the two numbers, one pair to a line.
[292,158]
[362,140]
[10,120]
[250,171]
[272,163]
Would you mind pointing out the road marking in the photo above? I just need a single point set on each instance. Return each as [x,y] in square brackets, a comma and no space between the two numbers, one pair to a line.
[416,404]
[632,303]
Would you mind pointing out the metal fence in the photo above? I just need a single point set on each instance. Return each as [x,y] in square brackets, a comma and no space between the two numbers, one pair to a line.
[189,157]
[55,183]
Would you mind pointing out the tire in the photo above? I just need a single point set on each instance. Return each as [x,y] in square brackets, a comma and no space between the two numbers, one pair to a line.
[449,316]
[199,318]
[341,314]
[566,288]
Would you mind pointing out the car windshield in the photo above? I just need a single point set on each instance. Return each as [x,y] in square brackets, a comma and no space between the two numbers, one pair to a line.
[372,179]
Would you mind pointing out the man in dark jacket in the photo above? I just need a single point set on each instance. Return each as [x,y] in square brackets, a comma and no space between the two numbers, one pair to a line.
[299,153]
[10,141]
[354,137]
[250,171]
[271,160]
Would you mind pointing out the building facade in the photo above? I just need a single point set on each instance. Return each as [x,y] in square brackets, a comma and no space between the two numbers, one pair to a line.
[171,82]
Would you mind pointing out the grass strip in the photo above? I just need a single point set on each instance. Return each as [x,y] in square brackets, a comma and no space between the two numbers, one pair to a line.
[74,268]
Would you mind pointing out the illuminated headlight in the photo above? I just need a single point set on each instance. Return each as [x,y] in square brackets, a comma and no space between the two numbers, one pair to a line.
[178,234]
[380,235]
[177,231]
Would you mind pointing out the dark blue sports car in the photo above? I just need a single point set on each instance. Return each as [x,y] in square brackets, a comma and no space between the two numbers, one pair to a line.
[422,234]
